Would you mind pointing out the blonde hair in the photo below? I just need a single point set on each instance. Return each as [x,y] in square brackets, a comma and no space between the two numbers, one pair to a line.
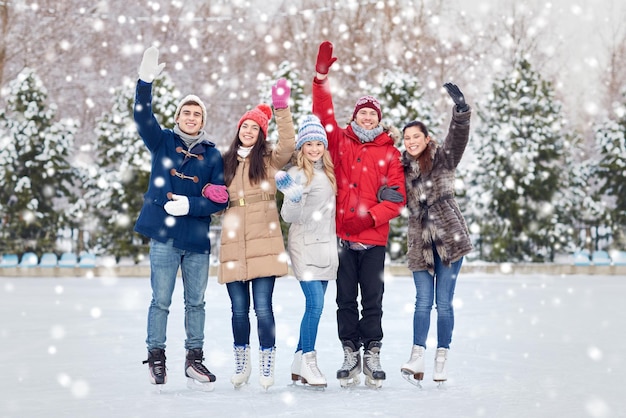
[307,166]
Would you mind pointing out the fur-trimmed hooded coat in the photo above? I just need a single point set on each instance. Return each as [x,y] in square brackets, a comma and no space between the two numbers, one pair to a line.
[435,218]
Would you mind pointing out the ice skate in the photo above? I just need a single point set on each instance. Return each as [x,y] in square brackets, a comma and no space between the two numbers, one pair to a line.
[310,374]
[295,367]
[156,366]
[374,374]
[413,370]
[198,376]
[440,373]
[267,358]
[242,366]
[349,373]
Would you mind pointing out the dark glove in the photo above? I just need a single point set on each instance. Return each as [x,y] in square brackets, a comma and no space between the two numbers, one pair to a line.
[390,194]
[358,224]
[457,97]
[324,57]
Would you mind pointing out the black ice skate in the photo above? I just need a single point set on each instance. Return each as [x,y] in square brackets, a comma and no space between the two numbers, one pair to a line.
[198,376]
[156,365]
[349,373]
[374,374]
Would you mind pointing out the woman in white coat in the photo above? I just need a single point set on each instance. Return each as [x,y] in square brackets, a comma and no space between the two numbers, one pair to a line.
[309,206]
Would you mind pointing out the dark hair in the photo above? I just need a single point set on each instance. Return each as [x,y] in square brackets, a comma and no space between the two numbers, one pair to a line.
[420,125]
[257,162]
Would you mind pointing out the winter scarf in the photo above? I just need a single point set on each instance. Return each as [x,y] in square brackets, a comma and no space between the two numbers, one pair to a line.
[366,135]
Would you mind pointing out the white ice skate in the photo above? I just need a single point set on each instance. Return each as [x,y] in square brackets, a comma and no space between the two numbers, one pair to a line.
[267,358]
[310,374]
[295,367]
[440,374]
[242,366]
[413,370]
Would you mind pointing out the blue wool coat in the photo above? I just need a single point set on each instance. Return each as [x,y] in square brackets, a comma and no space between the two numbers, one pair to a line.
[170,157]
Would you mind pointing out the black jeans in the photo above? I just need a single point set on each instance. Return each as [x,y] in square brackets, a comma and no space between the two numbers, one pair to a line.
[360,271]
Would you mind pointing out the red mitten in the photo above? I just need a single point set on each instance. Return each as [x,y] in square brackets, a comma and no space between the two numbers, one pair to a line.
[215,192]
[324,57]
[358,224]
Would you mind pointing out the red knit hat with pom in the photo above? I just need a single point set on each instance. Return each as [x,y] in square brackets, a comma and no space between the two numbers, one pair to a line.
[260,114]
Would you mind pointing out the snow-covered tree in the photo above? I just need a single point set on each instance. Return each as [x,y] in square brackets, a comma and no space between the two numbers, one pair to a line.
[120,178]
[610,139]
[520,147]
[34,170]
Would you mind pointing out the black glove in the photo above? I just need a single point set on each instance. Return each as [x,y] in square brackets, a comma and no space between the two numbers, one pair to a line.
[390,194]
[457,97]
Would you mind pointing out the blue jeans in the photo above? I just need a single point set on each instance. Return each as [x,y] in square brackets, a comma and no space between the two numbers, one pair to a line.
[165,260]
[314,293]
[262,291]
[441,284]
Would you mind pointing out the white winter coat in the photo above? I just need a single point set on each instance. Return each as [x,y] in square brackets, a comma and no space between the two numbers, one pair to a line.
[312,242]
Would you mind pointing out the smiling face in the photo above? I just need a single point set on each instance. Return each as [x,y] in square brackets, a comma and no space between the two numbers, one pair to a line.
[249,133]
[190,119]
[415,141]
[313,150]
[366,118]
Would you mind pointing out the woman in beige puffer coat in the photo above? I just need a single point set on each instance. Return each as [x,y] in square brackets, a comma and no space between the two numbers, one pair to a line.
[252,253]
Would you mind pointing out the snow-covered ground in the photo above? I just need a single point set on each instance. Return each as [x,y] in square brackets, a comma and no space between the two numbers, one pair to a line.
[524,346]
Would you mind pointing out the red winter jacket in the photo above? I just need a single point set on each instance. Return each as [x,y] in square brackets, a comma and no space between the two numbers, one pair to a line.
[361,169]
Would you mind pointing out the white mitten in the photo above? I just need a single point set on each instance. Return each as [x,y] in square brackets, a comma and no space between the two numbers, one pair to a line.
[178,206]
[150,67]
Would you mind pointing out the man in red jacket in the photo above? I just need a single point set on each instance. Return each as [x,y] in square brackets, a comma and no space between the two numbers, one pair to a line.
[370,192]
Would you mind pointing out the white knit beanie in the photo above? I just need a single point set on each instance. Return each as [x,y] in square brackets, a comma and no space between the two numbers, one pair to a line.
[192,98]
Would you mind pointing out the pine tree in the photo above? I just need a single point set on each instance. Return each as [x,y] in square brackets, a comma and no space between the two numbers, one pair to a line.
[520,147]
[34,169]
[610,139]
[120,179]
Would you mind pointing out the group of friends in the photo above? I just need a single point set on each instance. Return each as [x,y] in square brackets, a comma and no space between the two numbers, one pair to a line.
[341,185]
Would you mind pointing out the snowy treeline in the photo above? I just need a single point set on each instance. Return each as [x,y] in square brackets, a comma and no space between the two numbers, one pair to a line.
[534,182]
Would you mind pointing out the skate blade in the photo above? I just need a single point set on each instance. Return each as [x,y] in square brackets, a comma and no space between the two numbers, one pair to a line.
[350,382]
[373,383]
[158,389]
[410,377]
[193,384]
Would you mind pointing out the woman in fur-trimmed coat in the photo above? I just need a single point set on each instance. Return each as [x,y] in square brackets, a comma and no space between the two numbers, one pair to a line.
[438,235]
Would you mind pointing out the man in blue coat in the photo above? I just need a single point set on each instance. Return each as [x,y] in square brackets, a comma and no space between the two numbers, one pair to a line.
[176,218]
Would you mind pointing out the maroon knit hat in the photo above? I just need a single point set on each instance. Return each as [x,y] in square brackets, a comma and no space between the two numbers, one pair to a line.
[260,114]
[367,101]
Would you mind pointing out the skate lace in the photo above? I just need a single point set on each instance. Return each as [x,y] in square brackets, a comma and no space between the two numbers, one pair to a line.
[350,358]
[373,361]
[197,365]
[267,362]
[158,368]
[240,359]
[312,365]
[440,360]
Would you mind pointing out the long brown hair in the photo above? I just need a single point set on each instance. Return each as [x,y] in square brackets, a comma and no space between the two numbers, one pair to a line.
[425,159]
[257,171]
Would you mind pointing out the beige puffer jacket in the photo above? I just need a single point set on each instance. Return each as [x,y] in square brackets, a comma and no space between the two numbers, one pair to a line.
[252,242]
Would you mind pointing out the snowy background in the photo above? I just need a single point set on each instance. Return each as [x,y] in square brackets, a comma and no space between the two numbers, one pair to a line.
[524,346]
